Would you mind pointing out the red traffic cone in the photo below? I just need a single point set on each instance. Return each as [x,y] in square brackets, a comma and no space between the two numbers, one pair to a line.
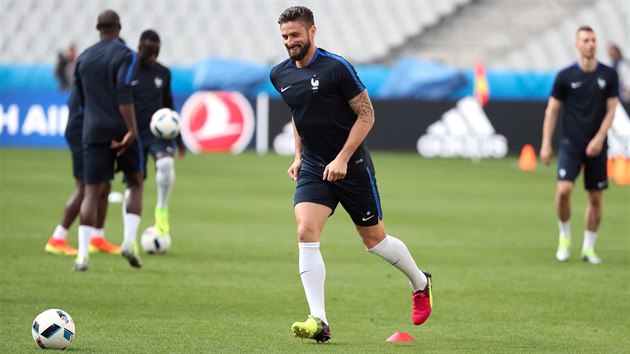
[400,337]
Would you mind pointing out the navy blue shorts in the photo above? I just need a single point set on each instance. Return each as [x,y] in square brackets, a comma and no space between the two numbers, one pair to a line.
[101,163]
[153,145]
[76,151]
[357,192]
[571,158]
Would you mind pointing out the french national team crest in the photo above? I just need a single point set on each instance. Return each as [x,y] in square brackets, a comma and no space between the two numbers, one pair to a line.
[315,84]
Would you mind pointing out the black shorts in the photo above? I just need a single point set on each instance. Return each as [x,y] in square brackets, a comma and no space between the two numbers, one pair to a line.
[357,192]
[76,151]
[101,162]
[571,158]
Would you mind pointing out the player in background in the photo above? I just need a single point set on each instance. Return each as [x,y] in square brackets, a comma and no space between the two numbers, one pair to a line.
[57,242]
[622,66]
[588,93]
[103,77]
[332,115]
[152,91]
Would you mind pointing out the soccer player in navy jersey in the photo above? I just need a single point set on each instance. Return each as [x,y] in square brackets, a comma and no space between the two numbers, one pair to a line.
[587,91]
[57,243]
[332,115]
[152,91]
[103,76]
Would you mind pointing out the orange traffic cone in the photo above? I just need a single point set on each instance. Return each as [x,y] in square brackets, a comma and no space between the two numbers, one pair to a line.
[622,171]
[610,167]
[400,337]
[527,160]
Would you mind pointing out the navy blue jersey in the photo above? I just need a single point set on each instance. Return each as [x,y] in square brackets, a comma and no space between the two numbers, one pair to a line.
[74,127]
[584,96]
[103,76]
[318,97]
[151,91]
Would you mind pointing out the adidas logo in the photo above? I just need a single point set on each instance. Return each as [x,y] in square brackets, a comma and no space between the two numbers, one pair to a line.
[463,131]
[284,143]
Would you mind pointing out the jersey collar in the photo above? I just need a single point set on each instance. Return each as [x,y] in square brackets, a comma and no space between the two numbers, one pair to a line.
[317,51]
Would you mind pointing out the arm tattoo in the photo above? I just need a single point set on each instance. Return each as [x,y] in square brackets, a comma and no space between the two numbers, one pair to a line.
[362,107]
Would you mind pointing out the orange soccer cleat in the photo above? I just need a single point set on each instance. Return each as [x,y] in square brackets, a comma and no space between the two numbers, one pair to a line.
[60,247]
[99,244]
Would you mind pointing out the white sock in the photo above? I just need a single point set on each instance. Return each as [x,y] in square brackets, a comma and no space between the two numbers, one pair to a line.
[124,202]
[313,274]
[60,233]
[131,223]
[396,253]
[85,234]
[164,178]
[589,240]
[99,233]
[565,228]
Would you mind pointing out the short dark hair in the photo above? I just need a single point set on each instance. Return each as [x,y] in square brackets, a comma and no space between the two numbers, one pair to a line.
[585,29]
[150,35]
[108,21]
[297,13]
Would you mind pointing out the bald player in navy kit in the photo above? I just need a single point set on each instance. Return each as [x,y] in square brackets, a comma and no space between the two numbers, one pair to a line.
[103,77]
[588,93]
[57,242]
[332,115]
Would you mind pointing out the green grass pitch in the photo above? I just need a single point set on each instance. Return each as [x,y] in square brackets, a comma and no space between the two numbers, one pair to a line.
[487,231]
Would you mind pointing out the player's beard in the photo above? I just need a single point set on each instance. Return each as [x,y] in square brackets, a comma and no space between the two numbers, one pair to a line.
[302,52]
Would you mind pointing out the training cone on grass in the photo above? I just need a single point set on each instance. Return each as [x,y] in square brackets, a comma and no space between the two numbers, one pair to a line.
[400,337]
[610,167]
[621,171]
[527,160]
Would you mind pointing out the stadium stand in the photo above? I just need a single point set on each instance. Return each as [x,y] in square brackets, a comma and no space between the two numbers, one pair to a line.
[32,31]
[455,32]
[505,34]
[554,47]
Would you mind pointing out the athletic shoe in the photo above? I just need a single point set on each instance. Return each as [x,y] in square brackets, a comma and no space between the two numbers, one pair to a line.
[422,302]
[101,245]
[590,256]
[60,247]
[564,249]
[161,221]
[131,253]
[312,328]
[81,265]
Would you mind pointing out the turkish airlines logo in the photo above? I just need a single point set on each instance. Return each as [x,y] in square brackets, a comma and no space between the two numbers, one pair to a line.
[217,122]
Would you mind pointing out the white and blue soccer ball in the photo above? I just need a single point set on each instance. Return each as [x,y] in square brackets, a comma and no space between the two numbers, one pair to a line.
[151,243]
[165,123]
[53,329]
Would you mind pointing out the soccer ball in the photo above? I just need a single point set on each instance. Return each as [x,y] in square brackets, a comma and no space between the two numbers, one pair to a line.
[154,244]
[53,329]
[165,124]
